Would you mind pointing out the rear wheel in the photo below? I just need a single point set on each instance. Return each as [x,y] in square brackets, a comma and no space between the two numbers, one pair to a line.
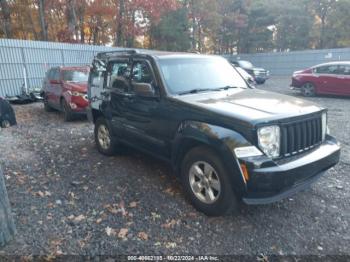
[308,89]
[67,112]
[206,182]
[105,141]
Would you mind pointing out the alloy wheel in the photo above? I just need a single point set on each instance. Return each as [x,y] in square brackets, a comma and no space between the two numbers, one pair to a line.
[204,182]
[308,89]
[104,137]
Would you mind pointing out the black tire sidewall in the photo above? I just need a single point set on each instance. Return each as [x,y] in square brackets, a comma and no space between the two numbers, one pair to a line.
[112,148]
[47,107]
[68,114]
[227,200]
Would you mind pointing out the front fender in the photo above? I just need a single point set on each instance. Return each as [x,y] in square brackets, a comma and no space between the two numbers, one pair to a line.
[220,139]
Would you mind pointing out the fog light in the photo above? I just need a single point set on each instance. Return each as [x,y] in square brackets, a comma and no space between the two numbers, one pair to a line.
[245,172]
[73,105]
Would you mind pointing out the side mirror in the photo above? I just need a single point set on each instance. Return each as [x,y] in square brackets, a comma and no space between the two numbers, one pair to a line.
[143,89]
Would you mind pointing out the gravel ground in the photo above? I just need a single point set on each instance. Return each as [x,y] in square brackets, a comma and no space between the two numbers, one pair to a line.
[69,199]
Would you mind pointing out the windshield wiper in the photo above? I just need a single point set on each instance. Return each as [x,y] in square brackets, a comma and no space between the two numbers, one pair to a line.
[196,90]
[225,88]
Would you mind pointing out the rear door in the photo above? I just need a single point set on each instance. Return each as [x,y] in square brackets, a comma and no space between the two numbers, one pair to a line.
[326,79]
[343,75]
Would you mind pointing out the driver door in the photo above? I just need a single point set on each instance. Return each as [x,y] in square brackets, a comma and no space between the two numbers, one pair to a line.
[143,117]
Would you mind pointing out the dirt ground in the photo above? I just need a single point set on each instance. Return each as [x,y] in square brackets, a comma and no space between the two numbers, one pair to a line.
[69,199]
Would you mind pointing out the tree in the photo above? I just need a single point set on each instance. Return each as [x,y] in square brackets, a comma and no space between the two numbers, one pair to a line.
[293,25]
[6,18]
[42,19]
[322,9]
[7,226]
[171,33]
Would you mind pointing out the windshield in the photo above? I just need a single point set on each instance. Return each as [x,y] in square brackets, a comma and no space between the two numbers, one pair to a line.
[243,73]
[203,73]
[75,76]
[245,64]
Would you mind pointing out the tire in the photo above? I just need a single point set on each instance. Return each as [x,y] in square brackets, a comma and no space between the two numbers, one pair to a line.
[221,200]
[106,143]
[308,90]
[260,82]
[67,112]
[47,107]
[5,123]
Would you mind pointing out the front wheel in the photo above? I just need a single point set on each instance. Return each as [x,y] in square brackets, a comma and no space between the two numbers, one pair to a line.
[67,112]
[206,182]
[308,90]
[47,107]
[106,143]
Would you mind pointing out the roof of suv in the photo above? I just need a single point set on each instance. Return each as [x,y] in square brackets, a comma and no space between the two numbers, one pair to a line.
[153,53]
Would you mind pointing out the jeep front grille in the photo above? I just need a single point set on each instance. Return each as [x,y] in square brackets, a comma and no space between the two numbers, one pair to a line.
[300,136]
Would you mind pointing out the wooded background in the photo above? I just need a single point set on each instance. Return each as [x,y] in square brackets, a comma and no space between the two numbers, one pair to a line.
[209,26]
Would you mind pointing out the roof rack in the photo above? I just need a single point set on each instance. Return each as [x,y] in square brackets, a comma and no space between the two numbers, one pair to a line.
[125,51]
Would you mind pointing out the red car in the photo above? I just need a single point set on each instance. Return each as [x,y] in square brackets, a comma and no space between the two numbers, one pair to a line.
[65,89]
[329,78]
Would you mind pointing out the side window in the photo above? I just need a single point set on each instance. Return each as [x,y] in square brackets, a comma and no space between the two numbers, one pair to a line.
[344,70]
[56,74]
[330,69]
[50,74]
[141,73]
[119,75]
[95,78]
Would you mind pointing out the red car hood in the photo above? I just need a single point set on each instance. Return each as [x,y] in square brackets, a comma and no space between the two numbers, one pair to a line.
[78,87]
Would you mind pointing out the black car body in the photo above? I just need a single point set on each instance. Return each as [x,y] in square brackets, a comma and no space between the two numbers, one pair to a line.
[259,74]
[225,143]
[7,114]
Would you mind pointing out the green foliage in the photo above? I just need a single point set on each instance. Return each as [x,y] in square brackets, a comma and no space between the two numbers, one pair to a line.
[172,32]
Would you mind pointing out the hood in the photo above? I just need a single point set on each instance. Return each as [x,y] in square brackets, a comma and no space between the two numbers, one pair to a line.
[251,105]
[258,69]
[78,87]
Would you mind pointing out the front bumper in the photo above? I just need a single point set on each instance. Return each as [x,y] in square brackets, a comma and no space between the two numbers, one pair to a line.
[268,184]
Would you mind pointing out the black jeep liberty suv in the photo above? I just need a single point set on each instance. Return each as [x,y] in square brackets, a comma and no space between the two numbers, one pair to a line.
[225,140]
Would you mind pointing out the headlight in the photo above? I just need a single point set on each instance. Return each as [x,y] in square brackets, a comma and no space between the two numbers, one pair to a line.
[75,93]
[269,140]
[325,129]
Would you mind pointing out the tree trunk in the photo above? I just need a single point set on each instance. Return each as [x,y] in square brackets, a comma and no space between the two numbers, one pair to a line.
[42,19]
[6,14]
[71,19]
[120,29]
[7,226]
[194,26]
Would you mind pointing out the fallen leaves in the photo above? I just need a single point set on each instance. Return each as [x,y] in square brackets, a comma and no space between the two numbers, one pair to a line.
[123,233]
[133,204]
[76,219]
[142,236]
[155,216]
[171,223]
[117,208]
[109,231]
